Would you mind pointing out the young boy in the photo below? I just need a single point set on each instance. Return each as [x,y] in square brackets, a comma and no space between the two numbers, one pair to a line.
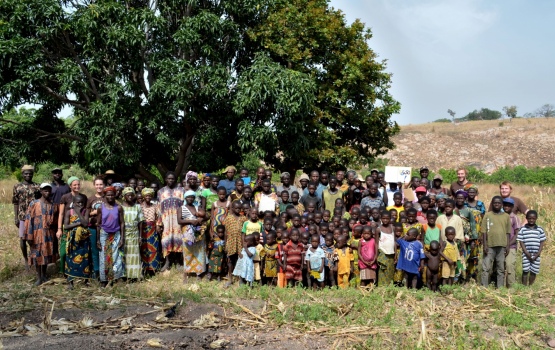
[432,231]
[532,239]
[397,204]
[510,259]
[283,201]
[450,254]
[311,197]
[432,267]
[496,230]
[315,260]
[345,262]
[411,257]
[295,202]
[330,260]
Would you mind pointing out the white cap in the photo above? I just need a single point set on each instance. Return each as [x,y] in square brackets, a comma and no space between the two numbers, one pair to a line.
[45,184]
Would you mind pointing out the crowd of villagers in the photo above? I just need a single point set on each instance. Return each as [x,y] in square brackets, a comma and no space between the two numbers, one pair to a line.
[324,230]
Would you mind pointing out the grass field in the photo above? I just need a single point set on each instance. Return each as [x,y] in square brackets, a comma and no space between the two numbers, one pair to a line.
[460,317]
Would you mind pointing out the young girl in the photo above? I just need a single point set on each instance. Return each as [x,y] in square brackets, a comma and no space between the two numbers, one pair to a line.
[398,231]
[345,262]
[194,239]
[367,257]
[386,251]
[258,258]
[236,194]
[111,239]
[281,279]
[295,202]
[532,239]
[330,259]
[315,257]
[133,218]
[253,224]
[451,255]
[247,197]
[151,251]
[245,264]
[269,260]
[38,232]
[217,254]
[233,238]
[266,199]
[293,258]
[78,263]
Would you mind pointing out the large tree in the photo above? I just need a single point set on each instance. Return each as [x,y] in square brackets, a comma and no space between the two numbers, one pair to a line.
[170,85]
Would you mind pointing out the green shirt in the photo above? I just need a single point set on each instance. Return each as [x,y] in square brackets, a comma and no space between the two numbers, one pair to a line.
[497,226]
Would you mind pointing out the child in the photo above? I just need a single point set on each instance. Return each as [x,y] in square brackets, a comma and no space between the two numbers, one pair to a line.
[305,240]
[394,215]
[324,229]
[315,259]
[398,232]
[296,223]
[532,239]
[326,215]
[233,223]
[310,209]
[353,243]
[432,231]
[345,262]
[432,268]
[246,198]
[77,263]
[375,216]
[133,218]
[281,280]
[253,224]
[283,201]
[258,258]
[397,204]
[331,194]
[367,257]
[330,260]
[244,174]
[318,217]
[386,251]
[269,260]
[413,223]
[451,255]
[279,232]
[411,257]
[293,258]
[266,200]
[295,202]
[245,264]
[38,232]
[337,233]
[311,197]
[217,254]
[237,193]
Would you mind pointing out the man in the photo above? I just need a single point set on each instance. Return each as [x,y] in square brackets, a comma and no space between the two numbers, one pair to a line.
[111,177]
[461,181]
[23,193]
[510,260]
[436,186]
[496,230]
[228,182]
[505,190]
[424,172]
[374,173]
[155,186]
[59,188]
[286,184]
[315,178]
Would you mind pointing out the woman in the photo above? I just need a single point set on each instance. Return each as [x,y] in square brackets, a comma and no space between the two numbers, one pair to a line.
[478,209]
[78,263]
[133,218]
[111,237]
[151,252]
[192,184]
[469,226]
[66,203]
[194,240]
[92,205]
[170,201]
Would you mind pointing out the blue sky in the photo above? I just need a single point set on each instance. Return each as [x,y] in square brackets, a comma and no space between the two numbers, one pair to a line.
[462,54]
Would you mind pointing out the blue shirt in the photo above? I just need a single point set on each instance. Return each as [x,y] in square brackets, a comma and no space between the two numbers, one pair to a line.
[228,184]
[318,192]
[410,256]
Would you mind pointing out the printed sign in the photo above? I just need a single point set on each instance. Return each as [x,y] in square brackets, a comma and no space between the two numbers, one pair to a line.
[397,174]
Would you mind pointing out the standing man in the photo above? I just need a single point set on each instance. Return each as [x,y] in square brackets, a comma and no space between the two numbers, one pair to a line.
[322,182]
[461,181]
[228,182]
[59,188]
[505,190]
[496,231]
[286,185]
[23,193]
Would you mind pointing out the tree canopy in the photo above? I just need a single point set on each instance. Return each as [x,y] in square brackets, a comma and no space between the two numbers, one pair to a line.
[482,114]
[171,85]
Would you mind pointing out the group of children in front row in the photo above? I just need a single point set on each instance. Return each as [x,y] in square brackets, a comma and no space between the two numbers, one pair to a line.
[317,250]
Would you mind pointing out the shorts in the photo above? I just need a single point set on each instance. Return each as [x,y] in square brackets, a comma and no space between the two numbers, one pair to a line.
[529,266]
[448,271]
[21,229]
[367,274]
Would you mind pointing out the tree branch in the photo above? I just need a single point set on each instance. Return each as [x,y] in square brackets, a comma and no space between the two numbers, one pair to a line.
[144,172]
[183,148]
[80,63]
[62,98]
[44,132]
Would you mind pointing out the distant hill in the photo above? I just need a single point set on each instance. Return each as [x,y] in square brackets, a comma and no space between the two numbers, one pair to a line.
[486,145]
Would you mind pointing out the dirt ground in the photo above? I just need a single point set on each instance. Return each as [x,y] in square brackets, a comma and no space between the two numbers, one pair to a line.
[136,327]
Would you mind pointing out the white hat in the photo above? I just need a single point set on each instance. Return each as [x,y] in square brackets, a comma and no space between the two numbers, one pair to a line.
[45,184]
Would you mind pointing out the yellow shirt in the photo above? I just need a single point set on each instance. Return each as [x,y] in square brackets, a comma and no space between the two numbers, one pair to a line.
[451,251]
[456,222]
[345,256]
[398,209]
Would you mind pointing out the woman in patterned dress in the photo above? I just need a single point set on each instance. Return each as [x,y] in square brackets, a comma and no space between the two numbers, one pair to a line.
[170,201]
[78,262]
[133,218]
[151,252]
[194,241]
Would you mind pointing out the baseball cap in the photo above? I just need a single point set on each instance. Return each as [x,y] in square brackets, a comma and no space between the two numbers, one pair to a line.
[424,168]
[374,170]
[509,200]
[438,177]
[304,177]
[56,170]
[44,185]
[421,189]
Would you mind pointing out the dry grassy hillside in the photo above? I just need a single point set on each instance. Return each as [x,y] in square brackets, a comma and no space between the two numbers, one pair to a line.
[486,145]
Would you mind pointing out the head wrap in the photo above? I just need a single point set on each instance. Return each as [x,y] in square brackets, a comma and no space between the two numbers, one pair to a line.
[230,168]
[189,194]
[147,191]
[27,167]
[441,195]
[285,173]
[71,179]
[127,190]
[304,177]
[470,186]
[188,175]
[109,188]
[463,192]
[118,185]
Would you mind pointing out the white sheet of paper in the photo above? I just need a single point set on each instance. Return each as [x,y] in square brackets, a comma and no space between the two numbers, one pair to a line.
[397,174]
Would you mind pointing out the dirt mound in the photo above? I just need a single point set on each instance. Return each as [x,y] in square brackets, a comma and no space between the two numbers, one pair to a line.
[486,145]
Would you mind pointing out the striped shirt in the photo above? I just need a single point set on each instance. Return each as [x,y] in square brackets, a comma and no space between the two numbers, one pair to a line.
[531,237]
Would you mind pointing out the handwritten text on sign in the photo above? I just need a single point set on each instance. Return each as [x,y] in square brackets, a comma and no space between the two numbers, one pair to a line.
[397,174]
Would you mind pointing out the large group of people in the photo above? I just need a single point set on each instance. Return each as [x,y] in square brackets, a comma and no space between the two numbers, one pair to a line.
[324,230]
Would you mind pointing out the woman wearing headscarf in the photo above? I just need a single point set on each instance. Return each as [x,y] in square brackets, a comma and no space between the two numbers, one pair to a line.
[151,252]
[192,184]
[133,218]
[194,240]
[170,201]
[66,203]
[478,209]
